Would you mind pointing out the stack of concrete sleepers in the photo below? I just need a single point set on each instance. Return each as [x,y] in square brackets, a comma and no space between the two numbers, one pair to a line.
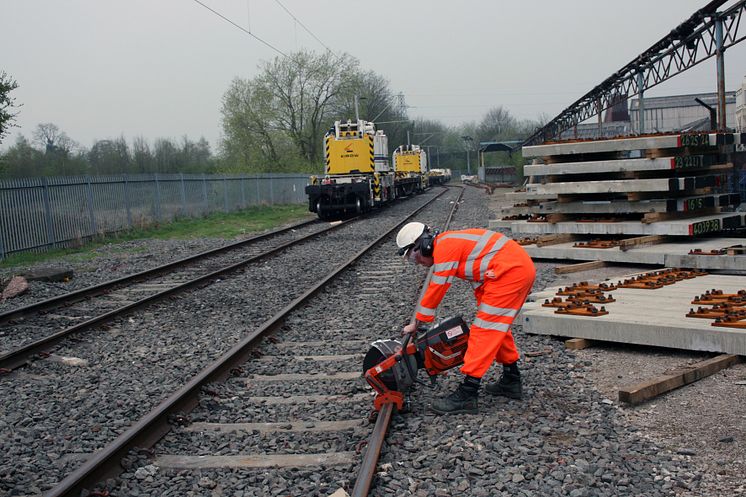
[675,184]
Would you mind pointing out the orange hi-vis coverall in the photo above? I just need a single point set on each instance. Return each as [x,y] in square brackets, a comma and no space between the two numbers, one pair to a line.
[502,274]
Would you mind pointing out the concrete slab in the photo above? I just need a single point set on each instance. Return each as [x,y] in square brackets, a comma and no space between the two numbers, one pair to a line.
[681,227]
[517,197]
[500,224]
[624,186]
[639,143]
[620,165]
[682,204]
[663,254]
[646,317]
[724,262]
[520,211]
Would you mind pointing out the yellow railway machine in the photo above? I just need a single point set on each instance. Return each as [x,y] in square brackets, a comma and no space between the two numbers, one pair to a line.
[410,165]
[357,173]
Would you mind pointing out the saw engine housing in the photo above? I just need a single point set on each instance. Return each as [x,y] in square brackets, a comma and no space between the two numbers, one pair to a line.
[391,366]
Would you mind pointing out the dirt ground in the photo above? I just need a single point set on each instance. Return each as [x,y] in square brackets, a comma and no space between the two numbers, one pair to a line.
[703,423]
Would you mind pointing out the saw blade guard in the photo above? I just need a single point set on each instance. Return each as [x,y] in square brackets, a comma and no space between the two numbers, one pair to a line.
[400,376]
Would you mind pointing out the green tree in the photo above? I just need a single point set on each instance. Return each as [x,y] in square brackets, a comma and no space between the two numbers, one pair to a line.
[142,158]
[166,156]
[61,155]
[7,104]
[291,102]
[52,139]
[497,124]
[195,156]
[110,157]
[249,126]
[304,86]
[21,160]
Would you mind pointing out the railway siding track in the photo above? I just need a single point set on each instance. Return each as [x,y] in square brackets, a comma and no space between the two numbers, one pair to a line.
[27,331]
[182,317]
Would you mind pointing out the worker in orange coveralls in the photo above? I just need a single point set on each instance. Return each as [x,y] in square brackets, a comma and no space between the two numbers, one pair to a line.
[502,275]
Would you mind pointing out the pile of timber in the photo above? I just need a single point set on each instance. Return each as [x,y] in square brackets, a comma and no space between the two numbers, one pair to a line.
[677,184]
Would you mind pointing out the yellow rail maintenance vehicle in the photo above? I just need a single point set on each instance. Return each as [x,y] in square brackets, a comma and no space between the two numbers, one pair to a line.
[410,165]
[357,174]
[439,176]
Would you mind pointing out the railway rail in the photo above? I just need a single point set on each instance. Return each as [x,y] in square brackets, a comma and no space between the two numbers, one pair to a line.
[152,426]
[367,471]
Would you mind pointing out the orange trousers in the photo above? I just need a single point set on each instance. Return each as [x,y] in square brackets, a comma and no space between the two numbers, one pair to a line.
[499,299]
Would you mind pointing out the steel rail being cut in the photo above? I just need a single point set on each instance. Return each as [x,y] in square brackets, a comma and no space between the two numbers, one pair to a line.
[367,471]
[705,34]
[154,425]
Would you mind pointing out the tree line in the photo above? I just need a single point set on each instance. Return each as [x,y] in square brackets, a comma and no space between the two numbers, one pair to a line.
[272,122]
[51,152]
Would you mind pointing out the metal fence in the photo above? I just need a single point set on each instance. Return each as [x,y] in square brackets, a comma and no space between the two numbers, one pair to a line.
[39,213]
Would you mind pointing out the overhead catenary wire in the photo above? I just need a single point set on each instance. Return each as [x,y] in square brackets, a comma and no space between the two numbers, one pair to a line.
[240,27]
[303,25]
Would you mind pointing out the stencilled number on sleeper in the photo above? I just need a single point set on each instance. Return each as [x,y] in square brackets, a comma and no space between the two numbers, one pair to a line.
[695,140]
[693,204]
[686,161]
[706,226]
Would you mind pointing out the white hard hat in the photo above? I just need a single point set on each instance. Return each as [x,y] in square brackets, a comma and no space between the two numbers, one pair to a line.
[408,235]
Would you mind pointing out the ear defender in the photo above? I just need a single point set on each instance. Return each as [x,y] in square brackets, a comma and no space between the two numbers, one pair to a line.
[426,242]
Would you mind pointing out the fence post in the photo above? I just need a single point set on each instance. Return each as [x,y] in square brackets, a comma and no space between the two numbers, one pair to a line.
[127,200]
[157,199]
[225,194]
[271,191]
[183,196]
[47,212]
[256,179]
[204,193]
[243,192]
[90,205]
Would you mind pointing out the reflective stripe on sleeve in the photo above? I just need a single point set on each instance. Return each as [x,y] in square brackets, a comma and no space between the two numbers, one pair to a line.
[425,311]
[445,266]
[441,280]
[496,311]
[489,325]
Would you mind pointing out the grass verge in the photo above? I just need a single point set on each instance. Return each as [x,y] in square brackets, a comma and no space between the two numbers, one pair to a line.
[218,225]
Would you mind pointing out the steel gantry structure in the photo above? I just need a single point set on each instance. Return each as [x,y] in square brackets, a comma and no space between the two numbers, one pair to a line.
[705,34]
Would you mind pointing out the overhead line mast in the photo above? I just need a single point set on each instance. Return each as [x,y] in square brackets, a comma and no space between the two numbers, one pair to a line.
[705,34]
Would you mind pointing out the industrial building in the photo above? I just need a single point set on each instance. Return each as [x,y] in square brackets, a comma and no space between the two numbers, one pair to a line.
[679,112]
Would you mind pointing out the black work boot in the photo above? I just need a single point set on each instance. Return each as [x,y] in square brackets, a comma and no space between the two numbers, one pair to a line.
[462,401]
[509,384]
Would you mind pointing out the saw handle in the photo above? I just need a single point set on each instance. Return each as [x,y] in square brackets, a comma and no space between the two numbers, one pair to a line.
[404,345]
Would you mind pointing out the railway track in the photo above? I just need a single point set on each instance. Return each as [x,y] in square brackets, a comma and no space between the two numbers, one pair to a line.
[298,394]
[33,329]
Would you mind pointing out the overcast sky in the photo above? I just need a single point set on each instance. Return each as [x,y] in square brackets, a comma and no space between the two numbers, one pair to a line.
[158,68]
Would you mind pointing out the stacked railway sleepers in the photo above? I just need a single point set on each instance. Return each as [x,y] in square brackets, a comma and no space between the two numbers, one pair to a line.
[677,184]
